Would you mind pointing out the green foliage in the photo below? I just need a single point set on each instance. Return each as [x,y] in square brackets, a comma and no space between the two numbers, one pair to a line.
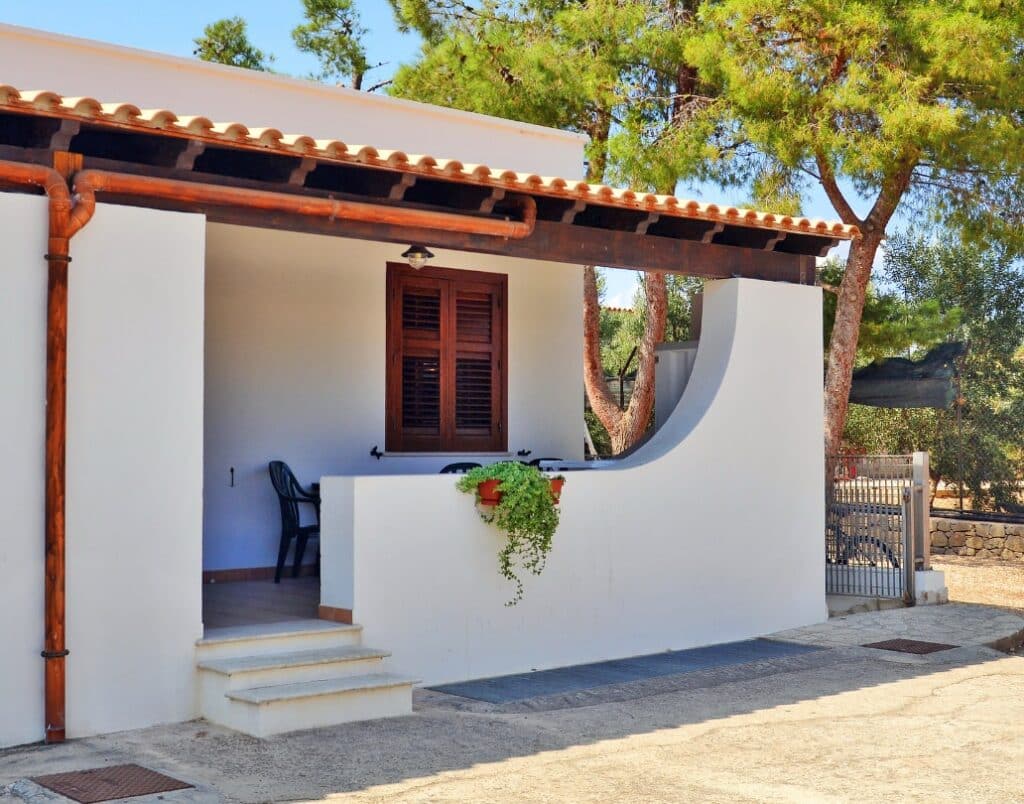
[560,63]
[226,41]
[527,513]
[984,288]
[598,433]
[334,34]
[876,91]
[889,431]
[892,323]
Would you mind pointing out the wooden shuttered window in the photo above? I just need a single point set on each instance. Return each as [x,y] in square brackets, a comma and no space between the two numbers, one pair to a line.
[446,360]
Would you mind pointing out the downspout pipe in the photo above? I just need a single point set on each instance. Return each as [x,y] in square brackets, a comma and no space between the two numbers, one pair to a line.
[57,256]
[67,216]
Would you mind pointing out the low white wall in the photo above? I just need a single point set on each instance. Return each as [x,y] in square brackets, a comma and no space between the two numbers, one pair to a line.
[295,369]
[22,411]
[34,60]
[711,533]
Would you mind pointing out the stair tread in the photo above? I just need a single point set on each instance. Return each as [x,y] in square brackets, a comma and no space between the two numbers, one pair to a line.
[299,658]
[310,689]
[239,633]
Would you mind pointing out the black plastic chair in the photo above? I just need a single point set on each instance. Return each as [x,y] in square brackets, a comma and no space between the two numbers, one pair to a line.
[290,495]
[459,468]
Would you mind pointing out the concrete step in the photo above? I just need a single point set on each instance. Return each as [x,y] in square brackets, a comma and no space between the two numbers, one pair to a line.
[266,669]
[275,638]
[264,711]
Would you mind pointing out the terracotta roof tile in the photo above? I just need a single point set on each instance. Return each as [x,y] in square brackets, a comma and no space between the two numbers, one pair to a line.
[127,115]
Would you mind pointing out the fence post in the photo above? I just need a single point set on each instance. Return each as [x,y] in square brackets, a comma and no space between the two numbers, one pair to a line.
[909,533]
[922,512]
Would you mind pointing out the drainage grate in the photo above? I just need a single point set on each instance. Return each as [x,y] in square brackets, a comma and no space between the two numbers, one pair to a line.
[107,784]
[914,646]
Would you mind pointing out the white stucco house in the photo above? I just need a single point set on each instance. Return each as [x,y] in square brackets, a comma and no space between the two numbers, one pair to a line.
[236,293]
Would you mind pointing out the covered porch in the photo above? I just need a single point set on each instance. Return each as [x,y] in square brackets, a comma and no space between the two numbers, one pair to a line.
[249,270]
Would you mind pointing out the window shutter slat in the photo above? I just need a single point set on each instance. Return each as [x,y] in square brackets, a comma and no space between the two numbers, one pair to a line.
[473,394]
[421,394]
[473,317]
[421,309]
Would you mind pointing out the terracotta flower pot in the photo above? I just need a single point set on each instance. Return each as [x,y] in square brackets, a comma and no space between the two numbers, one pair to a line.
[488,492]
[556,488]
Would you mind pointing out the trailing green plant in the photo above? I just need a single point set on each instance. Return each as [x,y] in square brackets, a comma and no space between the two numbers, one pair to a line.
[526,512]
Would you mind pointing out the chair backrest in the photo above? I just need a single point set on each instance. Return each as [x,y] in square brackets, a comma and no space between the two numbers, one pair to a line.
[286,487]
[538,461]
[459,468]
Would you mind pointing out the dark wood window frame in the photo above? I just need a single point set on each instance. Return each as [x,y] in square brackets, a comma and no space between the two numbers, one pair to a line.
[447,360]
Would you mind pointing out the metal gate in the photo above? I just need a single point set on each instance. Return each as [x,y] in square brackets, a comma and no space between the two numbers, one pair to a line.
[874,518]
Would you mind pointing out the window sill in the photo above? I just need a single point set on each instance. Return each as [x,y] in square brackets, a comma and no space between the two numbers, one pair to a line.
[446,454]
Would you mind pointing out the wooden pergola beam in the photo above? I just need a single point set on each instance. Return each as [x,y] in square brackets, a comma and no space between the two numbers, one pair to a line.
[563,240]
[555,242]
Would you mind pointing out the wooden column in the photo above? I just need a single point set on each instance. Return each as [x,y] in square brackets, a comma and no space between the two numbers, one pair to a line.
[55,650]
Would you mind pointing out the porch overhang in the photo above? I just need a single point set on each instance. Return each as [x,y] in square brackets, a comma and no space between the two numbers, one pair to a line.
[576,222]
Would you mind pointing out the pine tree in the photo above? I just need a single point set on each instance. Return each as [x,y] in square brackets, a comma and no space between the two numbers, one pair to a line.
[226,41]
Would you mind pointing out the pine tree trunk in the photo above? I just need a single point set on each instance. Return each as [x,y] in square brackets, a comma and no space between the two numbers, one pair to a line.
[601,400]
[637,416]
[842,350]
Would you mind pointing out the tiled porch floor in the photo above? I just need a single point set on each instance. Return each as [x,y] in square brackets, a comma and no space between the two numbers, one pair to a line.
[256,602]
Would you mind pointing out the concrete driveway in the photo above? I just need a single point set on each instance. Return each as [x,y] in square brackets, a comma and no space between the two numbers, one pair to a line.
[844,723]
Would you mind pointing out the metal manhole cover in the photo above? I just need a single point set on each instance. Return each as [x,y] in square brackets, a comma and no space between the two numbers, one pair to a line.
[107,784]
[915,646]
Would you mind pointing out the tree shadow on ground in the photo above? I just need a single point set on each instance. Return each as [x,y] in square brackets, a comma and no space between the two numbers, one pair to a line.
[447,733]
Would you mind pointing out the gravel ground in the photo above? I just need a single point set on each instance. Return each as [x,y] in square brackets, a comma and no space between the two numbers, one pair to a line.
[838,725]
[981,580]
[841,724]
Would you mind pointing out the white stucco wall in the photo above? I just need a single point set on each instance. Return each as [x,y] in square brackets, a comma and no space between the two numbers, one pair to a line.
[711,533]
[295,369]
[33,60]
[22,411]
[134,468]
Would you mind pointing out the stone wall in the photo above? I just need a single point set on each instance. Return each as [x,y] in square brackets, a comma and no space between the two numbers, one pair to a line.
[960,537]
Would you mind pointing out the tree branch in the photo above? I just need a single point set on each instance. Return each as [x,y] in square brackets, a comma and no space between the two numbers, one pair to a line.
[641,402]
[892,191]
[835,195]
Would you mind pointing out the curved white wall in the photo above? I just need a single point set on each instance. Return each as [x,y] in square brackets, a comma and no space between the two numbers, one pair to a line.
[712,533]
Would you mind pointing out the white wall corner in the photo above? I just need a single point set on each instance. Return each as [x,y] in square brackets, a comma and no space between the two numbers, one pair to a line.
[337,559]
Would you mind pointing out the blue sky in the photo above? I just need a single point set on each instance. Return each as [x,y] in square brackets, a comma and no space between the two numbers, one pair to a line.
[171,27]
